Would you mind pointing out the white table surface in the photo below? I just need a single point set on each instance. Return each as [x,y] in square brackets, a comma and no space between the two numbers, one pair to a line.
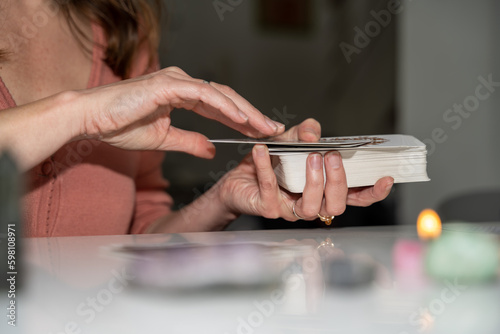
[63,276]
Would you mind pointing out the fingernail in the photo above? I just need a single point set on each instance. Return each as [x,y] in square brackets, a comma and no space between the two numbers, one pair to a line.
[260,150]
[334,160]
[389,185]
[211,150]
[243,115]
[281,126]
[310,130]
[316,162]
[271,123]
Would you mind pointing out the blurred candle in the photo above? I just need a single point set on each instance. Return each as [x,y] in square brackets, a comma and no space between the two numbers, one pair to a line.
[408,264]
[428,224]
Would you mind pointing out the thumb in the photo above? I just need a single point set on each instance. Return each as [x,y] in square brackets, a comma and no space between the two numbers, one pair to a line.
[190,142]
[309,130]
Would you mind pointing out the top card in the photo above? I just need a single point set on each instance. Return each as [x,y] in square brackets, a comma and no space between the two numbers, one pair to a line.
[324,143]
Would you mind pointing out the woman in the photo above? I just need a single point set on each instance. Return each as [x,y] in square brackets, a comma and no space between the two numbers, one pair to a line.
[86,112]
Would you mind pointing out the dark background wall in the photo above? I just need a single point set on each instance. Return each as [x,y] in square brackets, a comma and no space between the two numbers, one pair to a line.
[285,57]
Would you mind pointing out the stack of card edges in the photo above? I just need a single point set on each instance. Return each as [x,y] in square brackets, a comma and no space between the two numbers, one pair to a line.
[366,158]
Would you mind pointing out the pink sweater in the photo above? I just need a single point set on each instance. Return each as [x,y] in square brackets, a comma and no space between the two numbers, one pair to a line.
[88,187]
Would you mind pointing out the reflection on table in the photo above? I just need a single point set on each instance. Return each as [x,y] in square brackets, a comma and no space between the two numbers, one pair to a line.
[295,281]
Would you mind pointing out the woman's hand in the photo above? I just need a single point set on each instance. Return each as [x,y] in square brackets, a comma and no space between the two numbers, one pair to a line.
[135,114]
[132,114]
[252,188]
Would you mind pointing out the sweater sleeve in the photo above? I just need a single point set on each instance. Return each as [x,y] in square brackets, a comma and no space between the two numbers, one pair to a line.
[152,201]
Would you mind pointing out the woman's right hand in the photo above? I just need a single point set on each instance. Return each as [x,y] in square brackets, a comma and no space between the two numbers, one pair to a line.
[131,114]
[135,114]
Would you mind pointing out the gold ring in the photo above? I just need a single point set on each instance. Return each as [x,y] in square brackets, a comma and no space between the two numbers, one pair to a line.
[326,219]
[295,213]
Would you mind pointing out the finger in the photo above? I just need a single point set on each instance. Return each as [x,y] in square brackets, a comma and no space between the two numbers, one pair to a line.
[256,118]
[368,195]
[206,100]
[244,128]
[309,205]
[213,113]
[181,91]
[309,131]
[217,106]
[225,106]
[336,185]
[193,143]
[268,185]
[178,70]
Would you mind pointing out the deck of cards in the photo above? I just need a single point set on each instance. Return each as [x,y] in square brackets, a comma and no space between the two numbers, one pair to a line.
[365,158]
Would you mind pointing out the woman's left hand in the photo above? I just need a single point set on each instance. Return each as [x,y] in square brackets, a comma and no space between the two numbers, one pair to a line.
[251,188]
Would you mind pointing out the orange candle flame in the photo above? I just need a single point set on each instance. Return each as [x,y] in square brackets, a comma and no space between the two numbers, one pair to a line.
[428,224]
